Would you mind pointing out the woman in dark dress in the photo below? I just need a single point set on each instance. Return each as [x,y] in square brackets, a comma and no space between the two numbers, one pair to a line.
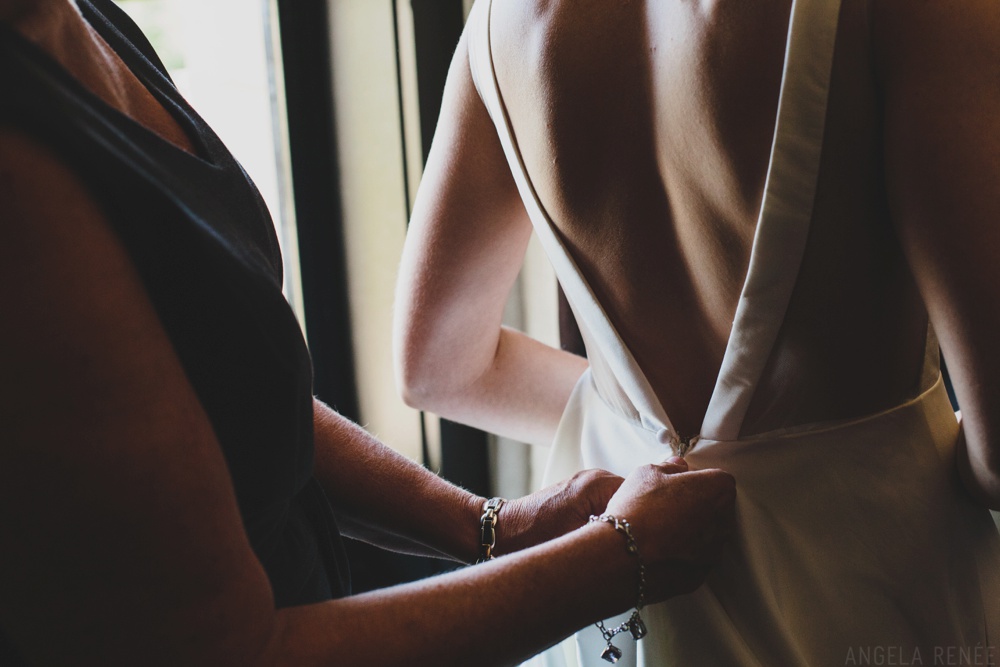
[170,492]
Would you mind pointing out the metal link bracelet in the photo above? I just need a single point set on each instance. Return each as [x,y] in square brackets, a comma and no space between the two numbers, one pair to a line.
[634,625]
[487,528]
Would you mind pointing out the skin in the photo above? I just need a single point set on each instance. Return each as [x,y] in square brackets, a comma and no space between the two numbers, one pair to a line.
[646,129]
[120,538]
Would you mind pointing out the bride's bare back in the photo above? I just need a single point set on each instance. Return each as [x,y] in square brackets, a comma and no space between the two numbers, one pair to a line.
[646,126]
[646,129]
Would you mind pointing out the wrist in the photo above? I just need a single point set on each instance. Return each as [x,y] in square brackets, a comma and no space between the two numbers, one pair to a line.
[513,528]
[616,568]
[471,515]
[634,627]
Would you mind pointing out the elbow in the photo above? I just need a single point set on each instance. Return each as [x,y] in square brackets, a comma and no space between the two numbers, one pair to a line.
[420,385]
[984,490]
[415,383]
[986,485]
[979,471]
[415,393]
[434,384]
[439,373]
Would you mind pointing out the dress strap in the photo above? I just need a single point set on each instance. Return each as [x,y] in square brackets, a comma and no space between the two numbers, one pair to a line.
[786,212]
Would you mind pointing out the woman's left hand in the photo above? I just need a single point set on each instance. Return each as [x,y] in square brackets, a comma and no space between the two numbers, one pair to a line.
[554,510]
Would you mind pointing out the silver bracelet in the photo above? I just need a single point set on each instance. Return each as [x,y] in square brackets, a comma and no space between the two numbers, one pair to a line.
[634,625]
[487,528]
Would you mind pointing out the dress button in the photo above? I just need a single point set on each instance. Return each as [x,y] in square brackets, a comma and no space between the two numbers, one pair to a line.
[667,437]
[678,445]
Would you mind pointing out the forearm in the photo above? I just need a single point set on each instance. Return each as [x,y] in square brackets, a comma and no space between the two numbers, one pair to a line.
[381,492]
[464,248]
[501,612]
[498,613]
[516,387]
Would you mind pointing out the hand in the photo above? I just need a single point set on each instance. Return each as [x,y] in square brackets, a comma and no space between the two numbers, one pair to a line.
[680,521]
[555,510]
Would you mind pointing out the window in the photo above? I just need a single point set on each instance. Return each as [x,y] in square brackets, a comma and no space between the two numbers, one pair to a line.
[234,84]
[389,61]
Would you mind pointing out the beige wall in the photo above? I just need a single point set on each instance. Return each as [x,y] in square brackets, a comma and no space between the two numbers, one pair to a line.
[374,140]
[370,141]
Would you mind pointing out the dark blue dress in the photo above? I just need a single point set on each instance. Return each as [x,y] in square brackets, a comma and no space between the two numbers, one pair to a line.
[204,244]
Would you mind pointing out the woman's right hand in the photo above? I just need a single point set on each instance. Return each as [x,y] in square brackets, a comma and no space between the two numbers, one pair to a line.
[680,521]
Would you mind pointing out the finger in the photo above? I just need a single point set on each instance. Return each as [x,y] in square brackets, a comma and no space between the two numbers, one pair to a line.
[673,466]
[717,477]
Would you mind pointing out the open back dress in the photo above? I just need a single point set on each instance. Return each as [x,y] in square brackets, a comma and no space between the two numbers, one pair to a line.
[855,542]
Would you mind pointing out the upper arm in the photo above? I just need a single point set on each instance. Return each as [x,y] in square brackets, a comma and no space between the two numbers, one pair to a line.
[466,241]
[940,66]
[120,537]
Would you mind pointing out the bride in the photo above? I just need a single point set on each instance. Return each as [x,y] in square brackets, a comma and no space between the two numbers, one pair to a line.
[765,216]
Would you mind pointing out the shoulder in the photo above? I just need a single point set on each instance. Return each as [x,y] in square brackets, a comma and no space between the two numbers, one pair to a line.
[67,282]
[10,10]
[57,239]
[36,184]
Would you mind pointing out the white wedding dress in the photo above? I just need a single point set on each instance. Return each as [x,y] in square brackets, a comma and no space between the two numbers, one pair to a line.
[854,539]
